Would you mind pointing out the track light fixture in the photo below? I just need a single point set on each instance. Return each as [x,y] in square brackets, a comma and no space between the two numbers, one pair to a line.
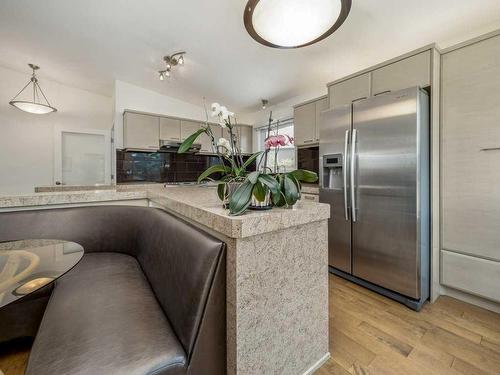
[264,103]
[171,61]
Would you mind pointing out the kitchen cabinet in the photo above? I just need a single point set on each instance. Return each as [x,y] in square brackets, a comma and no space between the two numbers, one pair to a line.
[306,121]
[411,71]
[470,176]
[188,128]
[244,136]
[170,129]
[321,105]
[349,91]
[304,124]
[141,131]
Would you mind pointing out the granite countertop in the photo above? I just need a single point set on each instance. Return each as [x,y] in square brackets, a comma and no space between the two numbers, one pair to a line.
[310,189]
[199,204]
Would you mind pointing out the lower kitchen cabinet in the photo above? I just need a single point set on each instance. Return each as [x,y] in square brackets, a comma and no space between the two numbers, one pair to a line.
[470,274]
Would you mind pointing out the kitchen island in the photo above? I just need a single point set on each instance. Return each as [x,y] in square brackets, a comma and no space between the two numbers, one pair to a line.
[277,271]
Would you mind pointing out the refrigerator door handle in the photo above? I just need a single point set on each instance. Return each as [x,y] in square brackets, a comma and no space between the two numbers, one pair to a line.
[346,150]
[353,174]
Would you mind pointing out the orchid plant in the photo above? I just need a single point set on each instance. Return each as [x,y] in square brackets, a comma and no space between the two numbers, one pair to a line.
[236,187]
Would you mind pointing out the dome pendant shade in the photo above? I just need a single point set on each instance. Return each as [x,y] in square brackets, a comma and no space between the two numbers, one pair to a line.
[35,106]
[294,23]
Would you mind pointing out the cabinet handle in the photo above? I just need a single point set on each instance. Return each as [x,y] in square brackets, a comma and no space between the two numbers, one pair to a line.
[308,140]
[176,138]
[490,149]
[359,99]
[382,93]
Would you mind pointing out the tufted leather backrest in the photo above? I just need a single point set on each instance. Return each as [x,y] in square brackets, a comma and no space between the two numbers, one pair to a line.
[179,260]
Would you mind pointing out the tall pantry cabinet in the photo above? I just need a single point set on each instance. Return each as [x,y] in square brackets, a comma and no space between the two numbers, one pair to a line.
[470,168]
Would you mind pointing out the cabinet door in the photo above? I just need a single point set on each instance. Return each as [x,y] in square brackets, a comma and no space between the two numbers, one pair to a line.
[188,128]
[348,91]
[321,105]
[141,131]
[246,138]
[170,129]
[304,124]
[409,72]
[205,141]
[470,149]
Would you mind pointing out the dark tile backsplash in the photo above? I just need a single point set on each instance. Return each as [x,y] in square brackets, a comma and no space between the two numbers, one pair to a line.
[308,158]
[161,167]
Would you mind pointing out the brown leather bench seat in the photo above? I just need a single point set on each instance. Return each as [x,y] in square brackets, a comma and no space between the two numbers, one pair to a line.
[148,297]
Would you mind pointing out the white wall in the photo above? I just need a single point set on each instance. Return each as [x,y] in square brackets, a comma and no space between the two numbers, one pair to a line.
[282,110]
[27,140]
[128,96]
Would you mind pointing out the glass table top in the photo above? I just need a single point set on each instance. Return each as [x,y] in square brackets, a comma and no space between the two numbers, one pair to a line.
[28,265]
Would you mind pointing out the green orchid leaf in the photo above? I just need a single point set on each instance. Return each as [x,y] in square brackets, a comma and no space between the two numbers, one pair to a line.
[297,182]
[241,198]
[290,190]
[251,159]
[305,175]
[270,182]
[188,142]
[221,190]
[259,191]
[252,177]
[218,168]
[278,197]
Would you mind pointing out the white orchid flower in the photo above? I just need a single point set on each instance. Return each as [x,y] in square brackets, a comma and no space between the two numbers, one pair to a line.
[224,143]
[216,109]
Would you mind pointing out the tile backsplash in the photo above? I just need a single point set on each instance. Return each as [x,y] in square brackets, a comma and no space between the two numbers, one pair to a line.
[161,167]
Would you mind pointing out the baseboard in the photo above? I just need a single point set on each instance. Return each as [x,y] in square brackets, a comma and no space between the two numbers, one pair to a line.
[318,364]
[470,298]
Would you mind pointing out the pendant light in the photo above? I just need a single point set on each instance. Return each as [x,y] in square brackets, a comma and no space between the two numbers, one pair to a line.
[294,23]
[35,106]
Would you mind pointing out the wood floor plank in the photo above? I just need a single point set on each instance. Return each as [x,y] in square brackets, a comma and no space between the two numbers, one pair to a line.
[475,354]
[386,339]
[346,352]
[490,345]
[466,368]
[332,368]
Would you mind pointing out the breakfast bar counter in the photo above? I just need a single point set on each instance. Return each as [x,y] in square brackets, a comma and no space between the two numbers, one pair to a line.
[277,271]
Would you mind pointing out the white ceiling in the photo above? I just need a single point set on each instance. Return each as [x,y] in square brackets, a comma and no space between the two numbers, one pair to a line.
[90,43]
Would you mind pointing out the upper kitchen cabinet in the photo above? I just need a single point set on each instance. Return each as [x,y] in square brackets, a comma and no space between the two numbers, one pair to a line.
[141,131]
[306,120]
[304,124]
[188,128]
[321,105]
[244,137]
[349,91]
[170,129]
[408,72]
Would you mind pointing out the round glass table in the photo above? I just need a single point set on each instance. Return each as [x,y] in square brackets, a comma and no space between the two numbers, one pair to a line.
[28,265]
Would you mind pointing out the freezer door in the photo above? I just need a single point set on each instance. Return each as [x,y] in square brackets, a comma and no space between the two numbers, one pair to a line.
[385,231]
[335,124]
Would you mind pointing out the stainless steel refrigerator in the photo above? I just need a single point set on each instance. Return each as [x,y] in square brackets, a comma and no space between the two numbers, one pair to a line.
[374,172]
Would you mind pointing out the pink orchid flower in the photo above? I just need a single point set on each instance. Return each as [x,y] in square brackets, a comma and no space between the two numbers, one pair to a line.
[277,141]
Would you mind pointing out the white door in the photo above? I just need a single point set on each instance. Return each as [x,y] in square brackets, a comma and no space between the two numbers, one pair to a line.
[82,157]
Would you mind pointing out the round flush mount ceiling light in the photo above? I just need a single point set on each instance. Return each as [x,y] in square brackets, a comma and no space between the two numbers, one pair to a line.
[294,23]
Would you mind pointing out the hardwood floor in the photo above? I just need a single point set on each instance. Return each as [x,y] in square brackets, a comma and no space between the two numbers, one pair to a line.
[370,334]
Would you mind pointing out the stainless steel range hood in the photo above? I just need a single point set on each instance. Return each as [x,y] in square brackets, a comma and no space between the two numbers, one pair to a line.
[171,146]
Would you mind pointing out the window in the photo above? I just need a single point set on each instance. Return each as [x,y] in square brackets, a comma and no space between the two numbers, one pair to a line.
[286,156]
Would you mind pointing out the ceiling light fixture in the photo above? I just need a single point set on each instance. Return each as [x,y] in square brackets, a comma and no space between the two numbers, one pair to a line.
[171,61]
[164,74]
[264,103]
[294,23]
[35,106]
